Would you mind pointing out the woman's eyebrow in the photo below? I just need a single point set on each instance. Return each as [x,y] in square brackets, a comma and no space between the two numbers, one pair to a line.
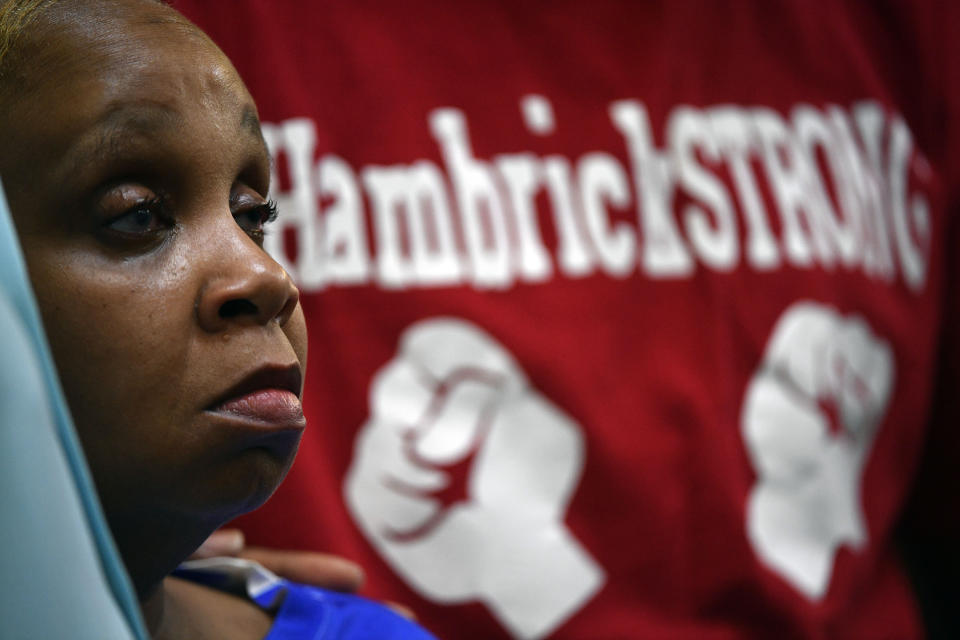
[250,121]
[121,123]
[126,126]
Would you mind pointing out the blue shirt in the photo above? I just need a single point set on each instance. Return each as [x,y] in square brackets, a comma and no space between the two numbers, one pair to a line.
[302,612]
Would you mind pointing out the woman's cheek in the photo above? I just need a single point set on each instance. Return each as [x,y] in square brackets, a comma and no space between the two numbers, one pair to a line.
[296,332]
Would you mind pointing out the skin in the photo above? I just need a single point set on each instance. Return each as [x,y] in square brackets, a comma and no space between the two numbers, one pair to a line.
[137,177]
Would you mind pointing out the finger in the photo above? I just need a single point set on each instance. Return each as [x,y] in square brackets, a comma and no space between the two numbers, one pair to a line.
[385,444]
[223,542]
[400,510]
[455,428]
[401,610]
[443,346]
[308,567]
[400,394]
[798,347]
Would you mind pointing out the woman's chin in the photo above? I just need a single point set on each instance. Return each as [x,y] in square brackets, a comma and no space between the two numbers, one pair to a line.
[266,472]
[243,484]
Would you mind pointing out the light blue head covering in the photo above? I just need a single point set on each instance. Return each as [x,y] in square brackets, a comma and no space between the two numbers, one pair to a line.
[60,573]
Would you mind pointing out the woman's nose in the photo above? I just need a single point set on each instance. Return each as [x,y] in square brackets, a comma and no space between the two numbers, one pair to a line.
[247,287]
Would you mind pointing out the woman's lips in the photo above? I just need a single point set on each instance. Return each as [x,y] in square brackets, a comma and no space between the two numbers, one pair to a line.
[268,397]
[276,407]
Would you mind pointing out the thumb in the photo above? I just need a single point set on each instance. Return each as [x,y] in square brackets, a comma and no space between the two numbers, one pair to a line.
[457,422]
[222,542]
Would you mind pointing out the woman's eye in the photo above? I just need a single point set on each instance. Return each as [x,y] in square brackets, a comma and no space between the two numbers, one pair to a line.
[145,219]
[254,219]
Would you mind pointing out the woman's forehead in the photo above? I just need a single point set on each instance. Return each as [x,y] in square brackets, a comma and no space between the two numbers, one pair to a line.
[73,35]
[93,16]
[142,80]
[95,54]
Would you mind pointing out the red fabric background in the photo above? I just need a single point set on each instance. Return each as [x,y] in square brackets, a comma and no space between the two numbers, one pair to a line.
[654,370]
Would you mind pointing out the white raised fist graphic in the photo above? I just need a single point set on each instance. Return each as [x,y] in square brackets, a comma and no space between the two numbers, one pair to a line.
[809,419]
[462,476]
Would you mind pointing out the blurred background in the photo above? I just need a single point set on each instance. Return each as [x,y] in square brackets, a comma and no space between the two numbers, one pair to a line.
[627,319]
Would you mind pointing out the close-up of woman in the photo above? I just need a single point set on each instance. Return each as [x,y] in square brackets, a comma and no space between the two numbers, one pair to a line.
[626,320]
[137,179]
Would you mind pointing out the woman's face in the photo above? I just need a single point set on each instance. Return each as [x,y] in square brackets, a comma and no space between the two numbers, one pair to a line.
[137,177]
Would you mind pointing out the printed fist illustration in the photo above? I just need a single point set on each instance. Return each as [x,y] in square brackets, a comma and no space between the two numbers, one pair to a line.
[809,419]
[461,479]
